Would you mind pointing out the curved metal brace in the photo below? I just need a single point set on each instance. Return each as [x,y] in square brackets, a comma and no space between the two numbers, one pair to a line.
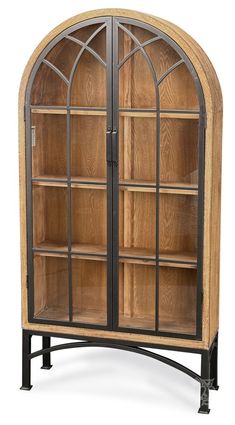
[170,70]
[79,56]
[144,53]
[133,51]
[132,349]
[93,52]
[56,70]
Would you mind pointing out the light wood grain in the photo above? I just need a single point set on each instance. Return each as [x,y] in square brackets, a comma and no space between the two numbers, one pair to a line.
[177,299]
[213,99]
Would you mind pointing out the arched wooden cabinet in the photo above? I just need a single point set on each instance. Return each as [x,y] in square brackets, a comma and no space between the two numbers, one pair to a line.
[120,150]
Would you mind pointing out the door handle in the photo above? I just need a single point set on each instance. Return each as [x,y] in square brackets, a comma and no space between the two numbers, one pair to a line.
[109,146]
[115,147]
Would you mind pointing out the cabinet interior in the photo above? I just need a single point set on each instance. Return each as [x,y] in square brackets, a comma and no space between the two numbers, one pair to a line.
[158,188]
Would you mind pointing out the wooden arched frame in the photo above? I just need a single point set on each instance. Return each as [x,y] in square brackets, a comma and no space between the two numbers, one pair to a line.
[213,106]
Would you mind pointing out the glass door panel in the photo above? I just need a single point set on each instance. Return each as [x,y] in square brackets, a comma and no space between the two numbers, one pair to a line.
[157,117]
[137,183]
[89,275]
[71,185]
[51,295]
[88,148]
[48,134]
[49,217]
[177,300]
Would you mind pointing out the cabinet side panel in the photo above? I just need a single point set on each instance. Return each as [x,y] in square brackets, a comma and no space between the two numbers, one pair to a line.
[23,232]
[215,224]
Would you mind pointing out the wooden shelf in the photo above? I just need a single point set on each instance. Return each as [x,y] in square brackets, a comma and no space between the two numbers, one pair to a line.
[123,113]
[126,255]
[177,188]
[164,326]
[60,314]
[72,111]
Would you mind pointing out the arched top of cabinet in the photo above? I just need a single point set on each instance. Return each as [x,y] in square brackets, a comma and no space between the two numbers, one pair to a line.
[206,73]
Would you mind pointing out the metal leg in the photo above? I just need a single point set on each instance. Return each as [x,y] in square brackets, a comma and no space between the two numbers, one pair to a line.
[214,366]
[205,385]
[46,358]
[26,362]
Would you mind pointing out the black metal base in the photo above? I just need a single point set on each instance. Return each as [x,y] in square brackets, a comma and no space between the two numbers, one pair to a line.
[209,359]
[204,411]
[26,388]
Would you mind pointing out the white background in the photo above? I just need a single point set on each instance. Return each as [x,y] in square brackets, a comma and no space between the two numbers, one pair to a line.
[100,385]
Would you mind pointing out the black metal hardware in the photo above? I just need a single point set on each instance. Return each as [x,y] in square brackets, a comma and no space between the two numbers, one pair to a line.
[46,357]
[114,147]
[109,146]
[207,379]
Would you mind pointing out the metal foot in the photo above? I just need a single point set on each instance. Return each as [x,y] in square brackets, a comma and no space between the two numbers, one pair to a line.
[26,361]
[204,410]
[205,383]
[214,365]
[46,358]
[26,388]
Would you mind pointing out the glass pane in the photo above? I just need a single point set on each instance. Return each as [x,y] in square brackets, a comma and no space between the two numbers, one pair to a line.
[137,295]
[89,82]
[51,287]
[136,84]
[48,88]
[177,300]
[137,149]
[88,147]
[84,33]
[178,227]
[162,56]
[178,91]
[89,278]
[179,152]
[63,56]
[89,219]
[49,217]
[48,133]
[137,239]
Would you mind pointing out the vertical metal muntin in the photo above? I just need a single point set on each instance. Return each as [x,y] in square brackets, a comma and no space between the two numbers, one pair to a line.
[115,238]
[69,213]
[29,213]
[109,173]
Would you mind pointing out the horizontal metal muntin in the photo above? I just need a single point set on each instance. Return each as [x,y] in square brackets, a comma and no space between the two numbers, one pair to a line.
[68,180]
[68,108]
[160,186]
[158,260]
[67,252]
[170,111]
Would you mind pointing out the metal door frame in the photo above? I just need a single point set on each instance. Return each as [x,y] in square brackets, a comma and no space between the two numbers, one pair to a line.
[113,182]
[200,219]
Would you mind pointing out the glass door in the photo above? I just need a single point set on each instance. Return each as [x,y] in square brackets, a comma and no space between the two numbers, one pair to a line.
[69,183]
[157,192]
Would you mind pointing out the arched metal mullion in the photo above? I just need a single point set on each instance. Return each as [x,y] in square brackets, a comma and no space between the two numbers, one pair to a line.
[93,52]
[144,53]
[146,43]
[78,58]
[170,70]
[56,70]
